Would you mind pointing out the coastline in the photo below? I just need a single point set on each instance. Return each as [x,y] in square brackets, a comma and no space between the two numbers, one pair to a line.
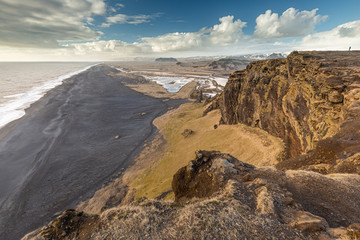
[66,146]
[15,108]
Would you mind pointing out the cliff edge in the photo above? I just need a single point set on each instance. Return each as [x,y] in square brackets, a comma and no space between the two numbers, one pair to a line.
[310,100]
[220,197]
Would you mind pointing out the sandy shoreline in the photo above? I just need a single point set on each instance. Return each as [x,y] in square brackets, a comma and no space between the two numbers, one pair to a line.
[64,148]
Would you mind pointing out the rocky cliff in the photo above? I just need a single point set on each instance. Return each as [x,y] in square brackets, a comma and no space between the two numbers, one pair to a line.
[309,99]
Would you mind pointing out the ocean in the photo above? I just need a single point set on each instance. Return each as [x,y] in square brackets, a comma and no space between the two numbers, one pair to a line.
[22,83]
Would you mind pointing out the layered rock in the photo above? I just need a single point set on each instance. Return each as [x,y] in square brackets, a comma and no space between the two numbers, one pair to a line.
[309,99]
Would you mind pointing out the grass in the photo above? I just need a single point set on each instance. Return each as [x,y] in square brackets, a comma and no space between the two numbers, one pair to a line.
[245,143]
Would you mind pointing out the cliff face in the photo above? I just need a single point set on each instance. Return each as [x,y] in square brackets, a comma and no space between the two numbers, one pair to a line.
[303,99]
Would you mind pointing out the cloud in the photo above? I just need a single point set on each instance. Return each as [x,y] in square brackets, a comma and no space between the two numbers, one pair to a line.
[126,19]
[338,38]
[43,23]
[225,34]
[292,23]
[119,5]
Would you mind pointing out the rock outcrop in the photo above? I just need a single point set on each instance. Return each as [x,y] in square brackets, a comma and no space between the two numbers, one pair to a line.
[220,197]
[70,224]
[310,99]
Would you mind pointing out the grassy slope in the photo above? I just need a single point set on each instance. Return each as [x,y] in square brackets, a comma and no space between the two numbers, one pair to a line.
[247,144]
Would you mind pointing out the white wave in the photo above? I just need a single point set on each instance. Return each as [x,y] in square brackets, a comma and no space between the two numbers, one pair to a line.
[15,109]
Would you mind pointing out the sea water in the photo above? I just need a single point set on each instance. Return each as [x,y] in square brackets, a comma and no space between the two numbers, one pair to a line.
[22,83]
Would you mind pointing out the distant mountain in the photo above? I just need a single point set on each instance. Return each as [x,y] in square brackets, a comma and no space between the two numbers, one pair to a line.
[276,55]
[228,64]
[166,60]
[256,57]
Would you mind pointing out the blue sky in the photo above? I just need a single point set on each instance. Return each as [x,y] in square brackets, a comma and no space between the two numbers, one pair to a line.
[119,29]
[190,16]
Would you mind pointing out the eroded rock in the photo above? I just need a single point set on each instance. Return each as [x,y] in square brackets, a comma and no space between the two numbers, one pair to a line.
[205,175]
[305,221]
[310,100]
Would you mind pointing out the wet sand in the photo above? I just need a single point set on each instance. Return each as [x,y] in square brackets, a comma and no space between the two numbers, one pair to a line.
[64,148]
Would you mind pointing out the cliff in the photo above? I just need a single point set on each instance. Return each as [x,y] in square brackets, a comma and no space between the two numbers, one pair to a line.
[310,100]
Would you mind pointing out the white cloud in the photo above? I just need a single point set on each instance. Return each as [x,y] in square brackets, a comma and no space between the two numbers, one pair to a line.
[227,32]
[119,5]
[175,41]
[43,23]
[339,38]
[224,38]
[292,23]
[126,19]
[98,6]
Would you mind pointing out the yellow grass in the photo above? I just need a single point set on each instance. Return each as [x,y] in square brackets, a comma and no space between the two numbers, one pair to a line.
[247,144]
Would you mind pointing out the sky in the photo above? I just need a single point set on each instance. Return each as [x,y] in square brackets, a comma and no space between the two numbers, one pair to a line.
[110,30]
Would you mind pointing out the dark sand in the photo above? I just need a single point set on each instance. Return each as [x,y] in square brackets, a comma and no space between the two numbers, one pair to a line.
[64,148]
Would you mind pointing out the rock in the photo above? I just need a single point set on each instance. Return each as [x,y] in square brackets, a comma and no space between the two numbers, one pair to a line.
[310,100]
[247,178]
[204,176]
[354,230]
[264,202]
[308,222]
[335,97]
[69,224]
[197,94]
[187,132]
[212,104]
[289,201]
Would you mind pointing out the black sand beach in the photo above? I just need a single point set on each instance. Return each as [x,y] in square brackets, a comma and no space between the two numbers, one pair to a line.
[65,147]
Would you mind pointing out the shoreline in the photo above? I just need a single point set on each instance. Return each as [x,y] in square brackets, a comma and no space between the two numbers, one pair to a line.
[65,147]
[16,108]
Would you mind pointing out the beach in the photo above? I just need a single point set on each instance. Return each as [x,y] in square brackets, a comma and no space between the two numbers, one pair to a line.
[68,144]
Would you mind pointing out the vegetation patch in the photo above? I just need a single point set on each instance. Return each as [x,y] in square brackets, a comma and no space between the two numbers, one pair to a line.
[248,144]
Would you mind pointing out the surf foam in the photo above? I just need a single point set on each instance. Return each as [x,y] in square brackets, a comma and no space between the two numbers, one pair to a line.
[15,108]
